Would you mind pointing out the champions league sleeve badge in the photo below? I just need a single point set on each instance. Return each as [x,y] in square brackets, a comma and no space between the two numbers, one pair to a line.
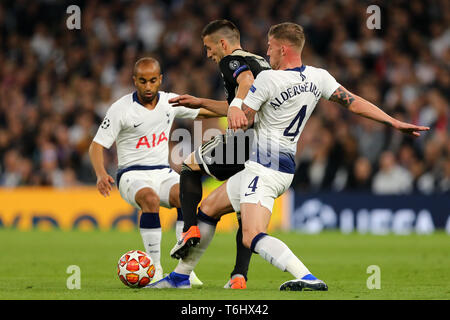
[234,64]
[105,124]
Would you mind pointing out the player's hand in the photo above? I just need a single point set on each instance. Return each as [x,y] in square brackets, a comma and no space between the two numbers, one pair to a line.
[236,119]
[410,129]
[187,101]
[104,184]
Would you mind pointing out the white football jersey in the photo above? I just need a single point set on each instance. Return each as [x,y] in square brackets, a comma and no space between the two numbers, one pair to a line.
[285,100]
[141,135]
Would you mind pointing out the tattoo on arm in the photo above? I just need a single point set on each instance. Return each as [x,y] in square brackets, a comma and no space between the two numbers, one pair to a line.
[342,96]
[249,114]
[363,108]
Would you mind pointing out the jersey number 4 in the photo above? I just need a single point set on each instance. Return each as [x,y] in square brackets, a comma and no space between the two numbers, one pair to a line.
[297,122]
[252,186]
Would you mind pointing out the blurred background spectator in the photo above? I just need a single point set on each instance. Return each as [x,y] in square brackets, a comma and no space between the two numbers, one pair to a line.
[391,178]
[56,84]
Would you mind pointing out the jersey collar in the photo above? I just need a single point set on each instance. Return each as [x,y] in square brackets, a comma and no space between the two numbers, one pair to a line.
[299,69]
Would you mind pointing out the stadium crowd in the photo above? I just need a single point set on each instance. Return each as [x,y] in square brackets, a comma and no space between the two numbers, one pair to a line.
[56,84]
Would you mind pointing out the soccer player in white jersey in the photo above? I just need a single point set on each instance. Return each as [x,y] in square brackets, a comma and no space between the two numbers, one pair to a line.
[284,99]
[139,123]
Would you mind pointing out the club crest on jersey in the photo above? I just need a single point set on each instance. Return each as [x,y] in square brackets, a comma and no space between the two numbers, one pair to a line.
[144,141]
[234,64]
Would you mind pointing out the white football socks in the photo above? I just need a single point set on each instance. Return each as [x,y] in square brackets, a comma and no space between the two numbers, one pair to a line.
[277,253]
[187,265]
[179,228]
[151,237]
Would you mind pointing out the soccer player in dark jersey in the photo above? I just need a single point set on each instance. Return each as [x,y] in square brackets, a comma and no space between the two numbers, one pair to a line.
[254,189]
[239,68]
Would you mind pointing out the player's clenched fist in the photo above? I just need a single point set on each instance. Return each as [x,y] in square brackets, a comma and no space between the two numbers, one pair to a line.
[104,184]
[186,100]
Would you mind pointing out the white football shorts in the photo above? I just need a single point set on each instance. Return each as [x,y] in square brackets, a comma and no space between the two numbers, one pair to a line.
[160,180]
[257,183]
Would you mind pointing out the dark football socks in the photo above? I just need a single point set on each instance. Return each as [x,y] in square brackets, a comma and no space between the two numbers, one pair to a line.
[243,254]
[190,195]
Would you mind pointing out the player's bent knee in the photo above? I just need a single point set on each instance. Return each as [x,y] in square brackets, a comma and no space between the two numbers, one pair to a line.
[207,205]
[247,238]
[208,208]
[174,196]
[215,206]
[151,199]
[147,199]
[250,241]
[175,202]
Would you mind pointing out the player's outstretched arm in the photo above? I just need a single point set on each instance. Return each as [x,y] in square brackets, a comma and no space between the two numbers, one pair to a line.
[188,101]
[205,114]
[104,180]
[368,110]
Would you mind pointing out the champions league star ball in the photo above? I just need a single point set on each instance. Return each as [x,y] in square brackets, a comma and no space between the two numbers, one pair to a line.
[135,269]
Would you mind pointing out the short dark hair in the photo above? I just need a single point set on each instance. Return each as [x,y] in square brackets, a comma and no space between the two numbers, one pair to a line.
[146,60]
[291,32]
[227,29]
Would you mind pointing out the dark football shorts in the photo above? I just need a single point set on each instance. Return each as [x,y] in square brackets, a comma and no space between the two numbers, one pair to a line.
[224,155]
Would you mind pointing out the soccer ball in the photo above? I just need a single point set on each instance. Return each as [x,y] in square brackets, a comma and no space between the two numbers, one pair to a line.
[135,269]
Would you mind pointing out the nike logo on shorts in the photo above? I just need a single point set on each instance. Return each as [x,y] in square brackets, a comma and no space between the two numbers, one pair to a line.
[137,125]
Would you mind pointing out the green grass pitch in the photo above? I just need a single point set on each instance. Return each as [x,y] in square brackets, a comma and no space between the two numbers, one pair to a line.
[33,266]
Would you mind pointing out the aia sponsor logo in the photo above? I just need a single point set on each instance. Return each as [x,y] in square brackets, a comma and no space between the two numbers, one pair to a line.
[144,141]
